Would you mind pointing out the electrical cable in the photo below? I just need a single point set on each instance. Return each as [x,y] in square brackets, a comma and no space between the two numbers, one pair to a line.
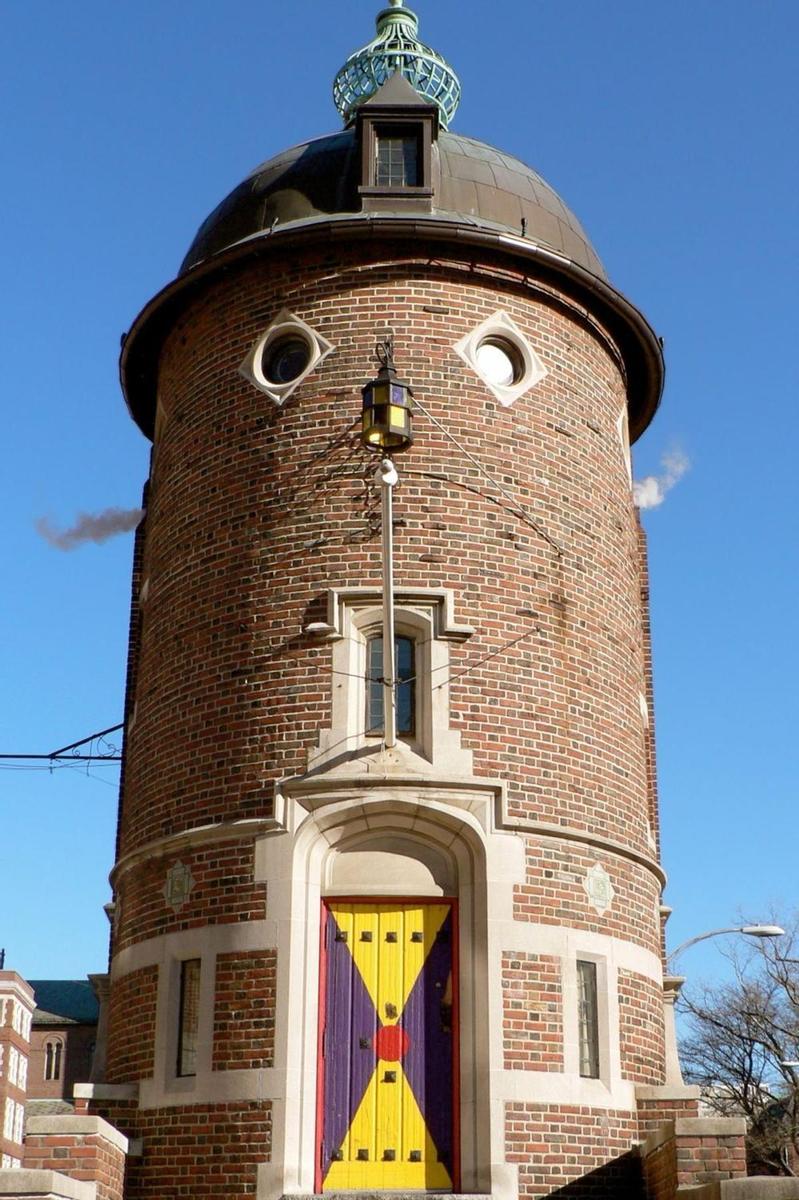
[519,508]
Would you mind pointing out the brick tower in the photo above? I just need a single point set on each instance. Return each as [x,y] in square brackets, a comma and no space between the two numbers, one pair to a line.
[339,964]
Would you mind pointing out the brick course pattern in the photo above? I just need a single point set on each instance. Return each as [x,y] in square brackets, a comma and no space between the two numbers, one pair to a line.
[532,1022]
[706,1159]
[641,1040]
[660,1173]
[574,1151]
[131,1026]
[689,1153]
[244,1010]
[240,490]
[255,512]
[88,1157]
[223,892]
[554,893]
[653,1113]
[194,1150]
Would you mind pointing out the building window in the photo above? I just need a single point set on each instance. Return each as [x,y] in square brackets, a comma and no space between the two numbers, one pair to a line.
[588,1019]
[53,1056]
[188,1016]
[406,686]
[397,160]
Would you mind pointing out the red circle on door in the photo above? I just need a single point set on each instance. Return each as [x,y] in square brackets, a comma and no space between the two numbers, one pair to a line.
[391,1043]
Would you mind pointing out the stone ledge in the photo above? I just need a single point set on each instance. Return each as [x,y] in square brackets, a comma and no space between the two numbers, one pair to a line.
[710,1127]
[665,1092]
[74,1126]
[383,1194]
[44,1185]
[693,1127]
[106,1091]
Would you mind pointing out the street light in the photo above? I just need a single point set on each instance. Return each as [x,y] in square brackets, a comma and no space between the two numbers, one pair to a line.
[672,985]
[758,931]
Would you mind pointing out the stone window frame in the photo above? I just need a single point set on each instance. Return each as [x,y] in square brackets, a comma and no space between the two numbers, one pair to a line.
[499,328]
[426,615]
[604,979]
[284,324]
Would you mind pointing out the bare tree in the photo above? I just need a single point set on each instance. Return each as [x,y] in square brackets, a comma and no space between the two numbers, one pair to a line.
[740,1036]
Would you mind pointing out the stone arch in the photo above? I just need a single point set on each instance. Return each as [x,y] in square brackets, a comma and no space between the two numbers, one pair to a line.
[447,846]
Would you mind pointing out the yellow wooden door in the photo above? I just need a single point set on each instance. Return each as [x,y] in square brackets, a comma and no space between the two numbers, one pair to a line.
[387,1086]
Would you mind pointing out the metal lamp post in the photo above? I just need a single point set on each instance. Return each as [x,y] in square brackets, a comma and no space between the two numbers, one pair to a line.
[386,429]
[759,931]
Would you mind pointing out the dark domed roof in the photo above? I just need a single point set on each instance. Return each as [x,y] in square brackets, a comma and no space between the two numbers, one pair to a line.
[318,180]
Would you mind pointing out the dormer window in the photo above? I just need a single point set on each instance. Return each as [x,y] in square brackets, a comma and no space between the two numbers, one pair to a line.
[397,130]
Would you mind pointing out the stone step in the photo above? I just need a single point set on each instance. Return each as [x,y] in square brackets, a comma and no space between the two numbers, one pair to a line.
[387,1194]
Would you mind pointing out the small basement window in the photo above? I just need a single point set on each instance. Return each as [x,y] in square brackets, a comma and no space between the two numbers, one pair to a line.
[397,160]
[404,651]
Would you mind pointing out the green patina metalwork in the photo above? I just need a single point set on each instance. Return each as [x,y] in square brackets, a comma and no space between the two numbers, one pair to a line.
[396,48]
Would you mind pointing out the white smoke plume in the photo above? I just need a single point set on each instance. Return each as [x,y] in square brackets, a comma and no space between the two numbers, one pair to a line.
[651,491]
[90,527]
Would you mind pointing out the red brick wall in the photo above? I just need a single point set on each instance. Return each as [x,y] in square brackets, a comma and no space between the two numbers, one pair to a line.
[588,1152]
[653,1113]
[244,1011]
[706,1159]
[196,1150]
[693,1152]
[554,893]
[78,1046]
[256,511]
[131,1026]
[87,1157]
[241,489]
[660,1172]
[642,1040]
[223,891]
[532,1021]
[132,665]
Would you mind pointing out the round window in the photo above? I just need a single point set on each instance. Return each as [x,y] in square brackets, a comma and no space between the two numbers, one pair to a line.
[499,361]
[285,358]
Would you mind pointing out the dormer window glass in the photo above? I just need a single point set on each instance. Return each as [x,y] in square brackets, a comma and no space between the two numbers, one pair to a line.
[397,160]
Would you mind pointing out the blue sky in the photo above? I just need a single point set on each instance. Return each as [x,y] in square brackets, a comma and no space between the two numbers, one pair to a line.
[669,128]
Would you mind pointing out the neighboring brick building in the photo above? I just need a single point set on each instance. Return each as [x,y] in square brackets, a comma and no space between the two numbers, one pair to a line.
[63,1036]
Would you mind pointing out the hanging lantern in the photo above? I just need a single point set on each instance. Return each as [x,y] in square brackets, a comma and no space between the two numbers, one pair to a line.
[387,407]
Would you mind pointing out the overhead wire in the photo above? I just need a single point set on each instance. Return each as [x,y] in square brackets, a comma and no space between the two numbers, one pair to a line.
[520,510]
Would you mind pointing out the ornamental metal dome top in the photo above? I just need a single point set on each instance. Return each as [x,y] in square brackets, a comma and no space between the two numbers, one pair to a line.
[396,48]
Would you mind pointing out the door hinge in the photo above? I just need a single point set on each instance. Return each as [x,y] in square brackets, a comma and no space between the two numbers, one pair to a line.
[324,1042]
